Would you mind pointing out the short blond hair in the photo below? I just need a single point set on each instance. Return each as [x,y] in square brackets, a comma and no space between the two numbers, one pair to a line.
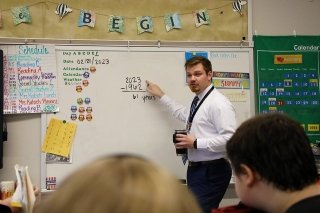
[118,184]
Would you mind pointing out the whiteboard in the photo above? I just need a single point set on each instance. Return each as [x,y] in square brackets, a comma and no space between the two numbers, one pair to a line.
[125,118]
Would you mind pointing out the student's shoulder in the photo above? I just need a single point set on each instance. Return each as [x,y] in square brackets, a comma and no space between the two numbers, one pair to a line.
[240,208]
[310,205]
[4,209]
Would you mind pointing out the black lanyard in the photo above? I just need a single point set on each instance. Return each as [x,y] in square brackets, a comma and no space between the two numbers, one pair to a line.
[195,111]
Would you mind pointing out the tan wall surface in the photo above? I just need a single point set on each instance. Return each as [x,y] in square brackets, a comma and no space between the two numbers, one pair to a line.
[226,25]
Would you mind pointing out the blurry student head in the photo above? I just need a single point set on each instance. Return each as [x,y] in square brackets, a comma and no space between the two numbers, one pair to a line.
[273,162]
[117,184]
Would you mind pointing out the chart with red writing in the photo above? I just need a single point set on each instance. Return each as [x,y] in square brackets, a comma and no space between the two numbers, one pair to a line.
[29,79]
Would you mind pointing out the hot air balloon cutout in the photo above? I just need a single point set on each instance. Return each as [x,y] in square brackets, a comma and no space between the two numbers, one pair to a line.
[62,10]
[238,5]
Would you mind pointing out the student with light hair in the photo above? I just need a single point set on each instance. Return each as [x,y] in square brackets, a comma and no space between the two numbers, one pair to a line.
[118,184]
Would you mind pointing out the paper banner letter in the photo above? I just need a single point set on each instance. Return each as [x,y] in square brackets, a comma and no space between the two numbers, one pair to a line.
[238,5]
[20,14]
[201,17]
[144,24]
[172,21]
[116,24]
[87,18]
[62,10]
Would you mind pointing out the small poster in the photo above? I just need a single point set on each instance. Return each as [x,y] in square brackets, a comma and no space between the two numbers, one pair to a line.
[287,79]
[29,79]
[59,137]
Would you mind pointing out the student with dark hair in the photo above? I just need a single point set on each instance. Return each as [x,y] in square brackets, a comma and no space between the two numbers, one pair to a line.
[274,165]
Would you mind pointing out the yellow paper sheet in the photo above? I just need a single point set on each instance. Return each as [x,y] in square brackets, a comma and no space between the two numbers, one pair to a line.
[59,137]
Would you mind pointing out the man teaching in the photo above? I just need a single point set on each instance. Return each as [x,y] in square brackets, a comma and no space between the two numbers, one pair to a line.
[209,127]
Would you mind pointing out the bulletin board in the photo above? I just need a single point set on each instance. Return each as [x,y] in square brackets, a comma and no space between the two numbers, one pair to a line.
[287,79]
[102,91]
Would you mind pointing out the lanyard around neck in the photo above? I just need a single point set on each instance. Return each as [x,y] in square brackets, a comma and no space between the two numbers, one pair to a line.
[202,100]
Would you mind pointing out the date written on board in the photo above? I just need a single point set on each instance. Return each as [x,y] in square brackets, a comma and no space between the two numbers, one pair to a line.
[133,85]
[93,61]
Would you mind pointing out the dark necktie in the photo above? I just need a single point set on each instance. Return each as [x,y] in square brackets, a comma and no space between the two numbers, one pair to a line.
[192,109]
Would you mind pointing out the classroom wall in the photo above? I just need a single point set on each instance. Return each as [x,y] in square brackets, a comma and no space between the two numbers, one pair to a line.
[286,17]
[272,17]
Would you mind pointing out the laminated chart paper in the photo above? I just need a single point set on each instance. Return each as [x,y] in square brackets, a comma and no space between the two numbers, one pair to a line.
[59,137]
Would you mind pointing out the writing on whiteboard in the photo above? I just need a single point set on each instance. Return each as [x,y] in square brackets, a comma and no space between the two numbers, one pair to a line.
[133,85]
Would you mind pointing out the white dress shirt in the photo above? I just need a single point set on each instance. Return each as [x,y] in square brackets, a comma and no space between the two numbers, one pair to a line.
[213,124]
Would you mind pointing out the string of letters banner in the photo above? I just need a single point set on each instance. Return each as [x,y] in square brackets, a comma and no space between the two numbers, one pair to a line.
[21,14]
